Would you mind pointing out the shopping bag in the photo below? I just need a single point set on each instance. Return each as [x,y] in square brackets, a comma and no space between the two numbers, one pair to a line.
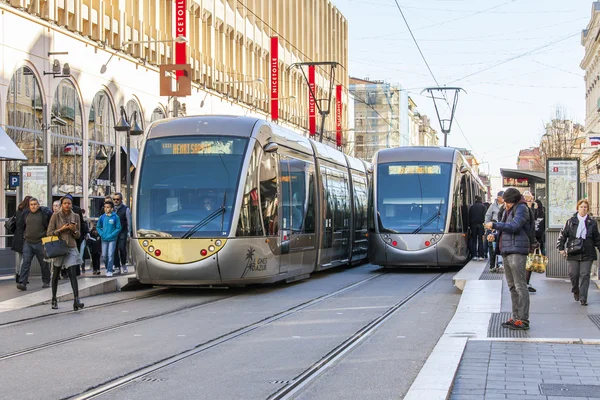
[54,247]
[536,262]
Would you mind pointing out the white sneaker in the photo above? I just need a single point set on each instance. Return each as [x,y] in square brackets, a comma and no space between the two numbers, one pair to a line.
[108,273]
[125,270]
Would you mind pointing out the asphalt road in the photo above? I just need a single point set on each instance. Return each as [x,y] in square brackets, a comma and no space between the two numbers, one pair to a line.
[101,344]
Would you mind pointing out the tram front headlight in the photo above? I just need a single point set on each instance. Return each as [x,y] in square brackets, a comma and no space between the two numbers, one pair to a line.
[211,248]
[218,242]
[151,249]
[145,243]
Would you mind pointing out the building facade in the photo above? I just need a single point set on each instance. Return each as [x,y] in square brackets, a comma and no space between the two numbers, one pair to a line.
[65,115]
[380,117]
[530,159]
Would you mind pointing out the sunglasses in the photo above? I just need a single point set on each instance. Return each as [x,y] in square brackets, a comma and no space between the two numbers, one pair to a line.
[116,199]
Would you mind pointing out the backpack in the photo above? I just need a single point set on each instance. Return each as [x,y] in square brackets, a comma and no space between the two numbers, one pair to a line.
[529,230]
[11,225]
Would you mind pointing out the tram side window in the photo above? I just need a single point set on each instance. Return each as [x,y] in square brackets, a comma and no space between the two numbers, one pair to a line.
[360,204]
[269,170]
[371,209]
[309,223]
[456,217]
[250,223]
[299,200]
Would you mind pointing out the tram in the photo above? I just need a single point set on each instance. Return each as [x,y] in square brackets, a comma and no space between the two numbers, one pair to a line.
[231,200]
[418,208]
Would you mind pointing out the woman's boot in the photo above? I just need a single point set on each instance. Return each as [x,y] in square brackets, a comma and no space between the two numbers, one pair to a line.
[77,305]
[55,278]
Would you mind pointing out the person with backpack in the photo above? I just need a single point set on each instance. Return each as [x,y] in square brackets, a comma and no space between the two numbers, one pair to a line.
[515,236]
[578,241]
[109,227]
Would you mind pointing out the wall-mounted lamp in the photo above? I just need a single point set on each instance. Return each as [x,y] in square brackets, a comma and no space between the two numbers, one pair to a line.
[56,71]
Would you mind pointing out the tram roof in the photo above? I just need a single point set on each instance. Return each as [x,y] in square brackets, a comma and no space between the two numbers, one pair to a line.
[416,153]
[223,125]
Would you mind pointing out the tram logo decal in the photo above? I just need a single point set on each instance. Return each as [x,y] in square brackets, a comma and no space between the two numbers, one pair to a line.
[253,263]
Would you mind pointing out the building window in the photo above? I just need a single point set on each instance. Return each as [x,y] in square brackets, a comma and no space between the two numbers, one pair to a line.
[101,152]
[157,114]
[131,107]
[67,150]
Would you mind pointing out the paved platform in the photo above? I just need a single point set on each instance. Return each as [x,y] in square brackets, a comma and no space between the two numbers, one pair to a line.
[89,285]
[558,358]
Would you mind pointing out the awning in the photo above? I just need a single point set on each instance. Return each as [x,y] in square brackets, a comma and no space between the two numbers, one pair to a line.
[531,176]
[111,165]
[8,149]
[133,156]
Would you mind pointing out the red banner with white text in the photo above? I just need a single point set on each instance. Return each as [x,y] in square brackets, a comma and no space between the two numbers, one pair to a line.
[312,120]
[338,115]
[274,78]
[180,30]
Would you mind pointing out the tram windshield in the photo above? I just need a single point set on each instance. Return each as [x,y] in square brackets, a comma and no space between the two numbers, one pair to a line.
[412,197]
[185,179]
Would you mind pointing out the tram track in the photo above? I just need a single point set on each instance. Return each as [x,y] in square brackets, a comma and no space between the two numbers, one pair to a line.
[301,381]
[124,380]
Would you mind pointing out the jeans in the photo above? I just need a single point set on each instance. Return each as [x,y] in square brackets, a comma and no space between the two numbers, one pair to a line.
[29,251]
[477,240]
[514,270]
[121,250]
[579,272]
[108,255]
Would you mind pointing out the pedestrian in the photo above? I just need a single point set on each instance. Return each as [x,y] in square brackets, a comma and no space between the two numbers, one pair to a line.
[109,227]
[531,204]
[486,244]
[476,220]
[94,244]
[18,234]
[36,220]
[577,241]
[514,245]
[492,215]
[65,225]
[124,214]
[84,232]
[56,206]
[540,225]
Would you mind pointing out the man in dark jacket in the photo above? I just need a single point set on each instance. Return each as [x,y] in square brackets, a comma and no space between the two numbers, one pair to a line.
[36,220]
[476,219]
[124,214]
[513,244]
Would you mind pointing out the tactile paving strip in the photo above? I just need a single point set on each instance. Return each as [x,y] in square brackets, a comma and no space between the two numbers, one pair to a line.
[495,330]
[487,275]
[595,319]
[572,390]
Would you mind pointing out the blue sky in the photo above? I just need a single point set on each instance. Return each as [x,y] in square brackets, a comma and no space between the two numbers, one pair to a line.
[524,56]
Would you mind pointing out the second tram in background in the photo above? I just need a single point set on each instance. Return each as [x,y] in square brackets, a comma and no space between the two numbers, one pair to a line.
[418,213]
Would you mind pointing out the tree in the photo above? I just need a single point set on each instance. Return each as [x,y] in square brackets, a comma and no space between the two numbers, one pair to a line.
[561,139]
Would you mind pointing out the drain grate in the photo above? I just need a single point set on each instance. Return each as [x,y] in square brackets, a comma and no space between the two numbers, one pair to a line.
[595,319]
[495,330]
[147,379]
[486,275]
[280,382]
[569,390]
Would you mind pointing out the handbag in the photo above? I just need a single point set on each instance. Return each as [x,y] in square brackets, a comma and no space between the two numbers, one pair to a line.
[55,247]
[574,246]
[536,262]
[11,225]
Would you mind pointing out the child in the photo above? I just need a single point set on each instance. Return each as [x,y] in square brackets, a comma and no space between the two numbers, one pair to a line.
[95,246]
[109,226]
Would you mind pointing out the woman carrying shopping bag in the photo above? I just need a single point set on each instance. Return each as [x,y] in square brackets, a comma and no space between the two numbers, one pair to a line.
[577,242]
[65,225]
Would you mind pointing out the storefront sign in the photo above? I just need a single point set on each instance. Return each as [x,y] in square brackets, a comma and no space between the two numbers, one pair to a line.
[180,30]
[515,182]
[312,120]
[274,78]
[338,115]
[35,182]
[563,191]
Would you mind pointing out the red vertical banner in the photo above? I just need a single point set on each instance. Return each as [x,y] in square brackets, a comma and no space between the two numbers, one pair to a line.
[274,78]
[312,120]
[180,30]
[338,115]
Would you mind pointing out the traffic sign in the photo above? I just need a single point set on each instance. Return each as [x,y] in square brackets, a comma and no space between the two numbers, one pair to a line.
[14,180]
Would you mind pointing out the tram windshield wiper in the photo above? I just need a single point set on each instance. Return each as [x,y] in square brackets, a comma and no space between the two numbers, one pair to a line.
[431,219]
[203,222]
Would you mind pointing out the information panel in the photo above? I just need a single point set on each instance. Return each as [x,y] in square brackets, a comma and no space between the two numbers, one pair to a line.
[35,182]
[562,185]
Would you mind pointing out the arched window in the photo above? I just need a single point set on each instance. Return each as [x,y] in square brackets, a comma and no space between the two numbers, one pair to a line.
[101,151]
[157,114]
[24,118]
[66,127]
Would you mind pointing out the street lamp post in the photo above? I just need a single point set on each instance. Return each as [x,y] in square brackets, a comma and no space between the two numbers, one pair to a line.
[125,126]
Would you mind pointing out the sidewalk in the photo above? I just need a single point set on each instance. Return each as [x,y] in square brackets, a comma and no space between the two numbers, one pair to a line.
[558,358]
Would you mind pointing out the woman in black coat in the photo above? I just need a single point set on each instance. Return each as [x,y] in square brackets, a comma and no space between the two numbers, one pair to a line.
[19,235]
[579,228]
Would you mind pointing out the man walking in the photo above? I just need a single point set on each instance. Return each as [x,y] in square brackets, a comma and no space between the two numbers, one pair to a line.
[492,216]
[36,223]
[476,219]
[513,244]
[124,214]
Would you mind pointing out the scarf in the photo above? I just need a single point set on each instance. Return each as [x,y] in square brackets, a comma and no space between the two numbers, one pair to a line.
[581,229]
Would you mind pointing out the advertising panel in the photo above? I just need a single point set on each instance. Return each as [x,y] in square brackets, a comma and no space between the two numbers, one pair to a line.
[563,191]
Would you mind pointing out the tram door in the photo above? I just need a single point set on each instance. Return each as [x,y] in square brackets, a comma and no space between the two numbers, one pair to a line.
[290,218]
